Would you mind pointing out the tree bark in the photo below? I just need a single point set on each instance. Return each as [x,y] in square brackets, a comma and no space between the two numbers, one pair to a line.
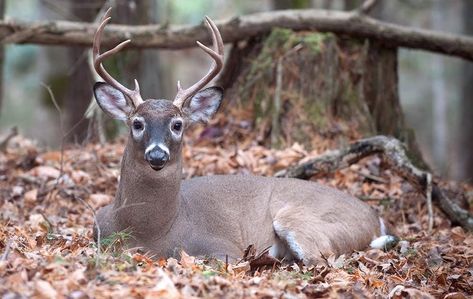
[299,84]
[466,116]
[2,56]
[144,65]
[240,28]
[78,92]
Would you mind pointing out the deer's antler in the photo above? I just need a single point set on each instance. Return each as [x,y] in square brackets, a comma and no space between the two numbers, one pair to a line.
[216,53]
[134,95]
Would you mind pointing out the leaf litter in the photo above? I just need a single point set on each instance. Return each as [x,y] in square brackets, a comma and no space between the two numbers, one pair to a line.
[47,249]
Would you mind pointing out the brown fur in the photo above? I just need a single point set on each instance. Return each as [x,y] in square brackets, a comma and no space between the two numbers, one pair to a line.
[222,215]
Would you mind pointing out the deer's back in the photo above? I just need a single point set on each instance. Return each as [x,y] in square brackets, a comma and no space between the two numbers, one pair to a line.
[252,195]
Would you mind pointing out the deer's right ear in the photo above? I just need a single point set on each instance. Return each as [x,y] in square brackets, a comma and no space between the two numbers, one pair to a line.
[112,101]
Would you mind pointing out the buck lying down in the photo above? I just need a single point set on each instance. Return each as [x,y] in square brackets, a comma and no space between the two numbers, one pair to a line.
[215,215]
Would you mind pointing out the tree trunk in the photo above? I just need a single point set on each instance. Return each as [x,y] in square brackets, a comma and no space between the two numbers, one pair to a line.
[79,89]
[2,56]
[466,124]
[327,85]
[142,64]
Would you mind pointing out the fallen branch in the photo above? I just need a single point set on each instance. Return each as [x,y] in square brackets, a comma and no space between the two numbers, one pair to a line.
[239,28]
[395,155]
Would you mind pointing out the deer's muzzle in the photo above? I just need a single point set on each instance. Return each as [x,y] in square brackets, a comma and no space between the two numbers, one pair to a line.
[157,158]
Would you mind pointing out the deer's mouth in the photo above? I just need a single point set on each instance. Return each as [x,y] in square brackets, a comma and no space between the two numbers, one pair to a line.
[156,168]
[157,164]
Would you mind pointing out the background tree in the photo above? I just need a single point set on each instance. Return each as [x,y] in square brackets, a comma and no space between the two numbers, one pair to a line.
[77,97]
[2,56]
[466,122]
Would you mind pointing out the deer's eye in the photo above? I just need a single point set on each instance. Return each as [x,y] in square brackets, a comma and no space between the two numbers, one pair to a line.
[177,126]
[138,125]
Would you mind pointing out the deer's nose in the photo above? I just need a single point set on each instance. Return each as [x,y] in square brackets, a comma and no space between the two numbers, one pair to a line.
[157,158]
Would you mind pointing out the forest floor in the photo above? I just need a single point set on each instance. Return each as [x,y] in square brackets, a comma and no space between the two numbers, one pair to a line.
[47,249]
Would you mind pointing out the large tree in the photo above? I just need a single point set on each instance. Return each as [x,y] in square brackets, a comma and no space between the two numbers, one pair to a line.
[2,56]
[78,93]
[466,124]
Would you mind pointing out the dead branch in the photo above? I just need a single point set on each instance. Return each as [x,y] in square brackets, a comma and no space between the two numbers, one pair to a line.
[394,154]
[239,28]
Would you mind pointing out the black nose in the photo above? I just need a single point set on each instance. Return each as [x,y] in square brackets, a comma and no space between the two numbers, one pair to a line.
[157,158]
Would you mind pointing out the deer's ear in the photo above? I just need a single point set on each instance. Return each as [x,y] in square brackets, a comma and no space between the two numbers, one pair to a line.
[112,101]
[203,105]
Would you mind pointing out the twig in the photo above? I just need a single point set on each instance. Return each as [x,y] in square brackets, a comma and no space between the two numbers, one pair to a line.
[128,206]
[61,128]
[99,231]
[428,196]
[275,129]
[7,251]
[372,177]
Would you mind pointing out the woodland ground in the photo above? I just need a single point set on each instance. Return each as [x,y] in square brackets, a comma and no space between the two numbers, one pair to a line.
[47,250]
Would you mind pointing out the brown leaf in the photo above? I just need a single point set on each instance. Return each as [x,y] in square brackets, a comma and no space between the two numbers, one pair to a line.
[241,268]
[31,196]
[99,200]
[46,172]
[186,261]
[164,288]
[45,289]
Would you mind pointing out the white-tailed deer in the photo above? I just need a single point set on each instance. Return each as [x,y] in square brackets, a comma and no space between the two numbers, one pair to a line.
[214,215]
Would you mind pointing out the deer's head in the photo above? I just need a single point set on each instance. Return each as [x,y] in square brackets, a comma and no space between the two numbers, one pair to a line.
[157,125]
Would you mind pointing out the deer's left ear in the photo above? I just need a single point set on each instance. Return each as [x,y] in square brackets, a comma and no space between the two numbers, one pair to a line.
[203,105]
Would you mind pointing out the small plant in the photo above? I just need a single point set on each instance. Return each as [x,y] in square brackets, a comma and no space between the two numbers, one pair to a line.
[114,243]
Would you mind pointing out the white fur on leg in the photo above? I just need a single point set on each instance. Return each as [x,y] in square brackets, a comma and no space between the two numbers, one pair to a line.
[381,242]
[288,236]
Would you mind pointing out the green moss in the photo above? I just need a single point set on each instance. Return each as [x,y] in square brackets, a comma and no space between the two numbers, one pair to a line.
[278,42]
[259,82]
[301,4]
[315,41]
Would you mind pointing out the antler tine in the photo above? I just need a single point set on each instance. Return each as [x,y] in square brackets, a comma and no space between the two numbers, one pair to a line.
[134,95]
[216,52]
[216,37]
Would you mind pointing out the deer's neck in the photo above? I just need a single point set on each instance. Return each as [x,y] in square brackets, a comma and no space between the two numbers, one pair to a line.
[147,201]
